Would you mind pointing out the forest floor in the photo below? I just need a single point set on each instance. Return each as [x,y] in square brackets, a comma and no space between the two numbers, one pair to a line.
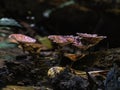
[19,71]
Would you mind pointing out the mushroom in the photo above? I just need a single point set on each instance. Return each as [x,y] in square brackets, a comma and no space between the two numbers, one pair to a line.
[21,38]
[74,57]
[91,38]
[60,40]
[27,44]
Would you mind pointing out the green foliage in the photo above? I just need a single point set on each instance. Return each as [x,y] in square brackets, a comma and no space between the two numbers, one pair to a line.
[6,44]
[9,22]
[45,41]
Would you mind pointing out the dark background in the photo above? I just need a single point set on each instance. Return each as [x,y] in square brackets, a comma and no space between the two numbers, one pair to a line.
[87,16]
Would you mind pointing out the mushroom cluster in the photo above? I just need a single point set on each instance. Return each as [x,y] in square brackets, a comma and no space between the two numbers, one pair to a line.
[78,44]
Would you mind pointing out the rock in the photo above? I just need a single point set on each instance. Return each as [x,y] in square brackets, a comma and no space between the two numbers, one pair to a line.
[113,77]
